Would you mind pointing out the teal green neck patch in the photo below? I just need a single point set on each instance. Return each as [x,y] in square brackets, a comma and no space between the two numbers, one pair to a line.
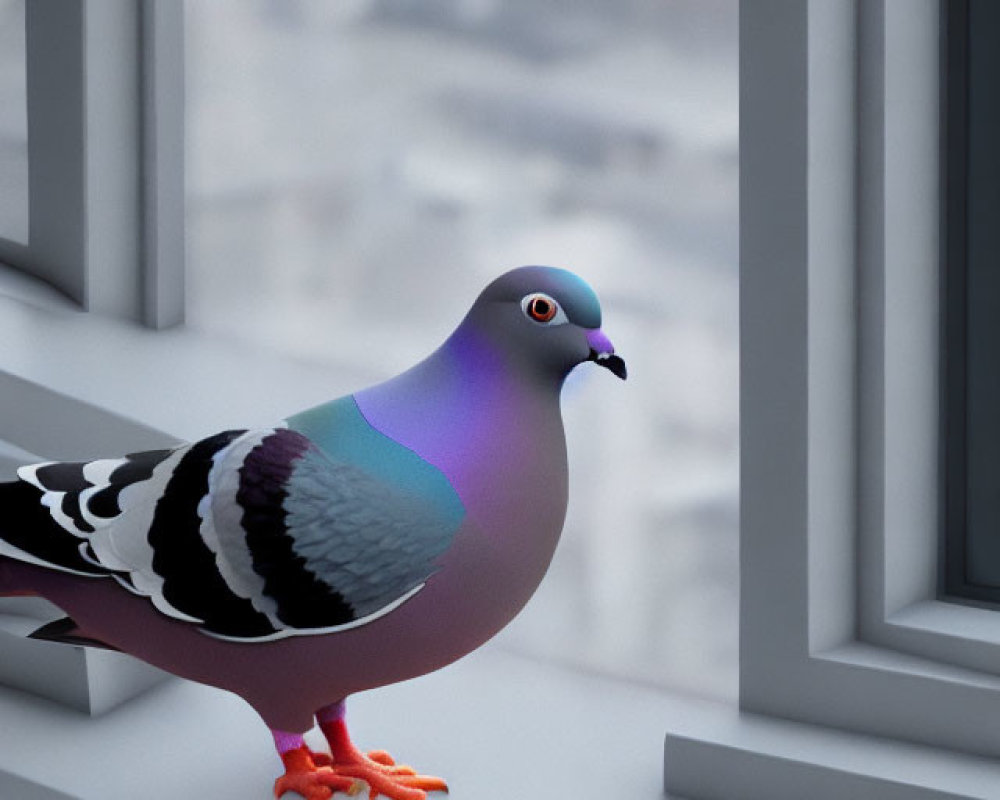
[340,430]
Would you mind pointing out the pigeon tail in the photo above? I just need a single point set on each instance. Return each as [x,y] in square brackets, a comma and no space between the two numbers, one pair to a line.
[66,631]
[28,533]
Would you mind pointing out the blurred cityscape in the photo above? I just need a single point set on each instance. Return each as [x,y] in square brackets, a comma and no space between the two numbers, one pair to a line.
[359,170]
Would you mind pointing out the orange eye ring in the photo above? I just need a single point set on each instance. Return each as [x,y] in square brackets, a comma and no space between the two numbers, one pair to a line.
[541,308]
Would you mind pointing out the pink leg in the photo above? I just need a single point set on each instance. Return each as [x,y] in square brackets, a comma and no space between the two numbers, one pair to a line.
[377,768]
[303,775]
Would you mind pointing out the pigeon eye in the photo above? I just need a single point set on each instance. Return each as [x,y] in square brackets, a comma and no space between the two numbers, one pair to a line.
[543,309]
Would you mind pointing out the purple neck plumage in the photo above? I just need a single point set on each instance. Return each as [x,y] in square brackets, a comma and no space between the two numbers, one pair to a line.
[463,404]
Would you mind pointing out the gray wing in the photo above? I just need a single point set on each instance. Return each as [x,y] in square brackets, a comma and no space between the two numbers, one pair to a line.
[372,542]
[318,544]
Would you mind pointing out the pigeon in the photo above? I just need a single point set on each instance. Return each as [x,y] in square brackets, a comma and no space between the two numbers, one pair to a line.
[369,540]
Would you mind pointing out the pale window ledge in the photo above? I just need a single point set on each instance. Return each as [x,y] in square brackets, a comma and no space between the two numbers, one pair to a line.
[88,680]
[494,725]
[78,385]
[17,285]
[722,754]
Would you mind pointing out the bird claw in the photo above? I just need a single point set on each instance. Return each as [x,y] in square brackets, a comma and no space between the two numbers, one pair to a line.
[318,785]
[313,782]
[382,775]
[383,759]
[380,757]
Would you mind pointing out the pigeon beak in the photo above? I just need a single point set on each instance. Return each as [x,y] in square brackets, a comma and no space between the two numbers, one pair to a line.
[603,352]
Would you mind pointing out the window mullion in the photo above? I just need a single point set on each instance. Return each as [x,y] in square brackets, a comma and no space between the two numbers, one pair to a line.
[162,32]
[56,146]
[105,148]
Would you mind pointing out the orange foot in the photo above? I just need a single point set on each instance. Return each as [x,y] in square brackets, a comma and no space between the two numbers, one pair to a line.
[381,773]
[311,780]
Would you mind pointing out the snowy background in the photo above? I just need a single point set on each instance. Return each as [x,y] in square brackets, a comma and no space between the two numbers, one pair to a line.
[358,170]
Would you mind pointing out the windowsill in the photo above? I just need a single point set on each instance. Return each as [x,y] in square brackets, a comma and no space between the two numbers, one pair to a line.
[533,729]
[18,286]
[148,377]
[719,754]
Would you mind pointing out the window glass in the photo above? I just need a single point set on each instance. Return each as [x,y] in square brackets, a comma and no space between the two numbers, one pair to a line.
[973,289]
[13,124]
[359,170]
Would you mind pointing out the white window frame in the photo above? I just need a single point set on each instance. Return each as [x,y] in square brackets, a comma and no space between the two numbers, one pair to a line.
[841,625]
[105,99]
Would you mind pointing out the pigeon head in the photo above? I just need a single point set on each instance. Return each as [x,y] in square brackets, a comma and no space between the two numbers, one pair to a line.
[546,319]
